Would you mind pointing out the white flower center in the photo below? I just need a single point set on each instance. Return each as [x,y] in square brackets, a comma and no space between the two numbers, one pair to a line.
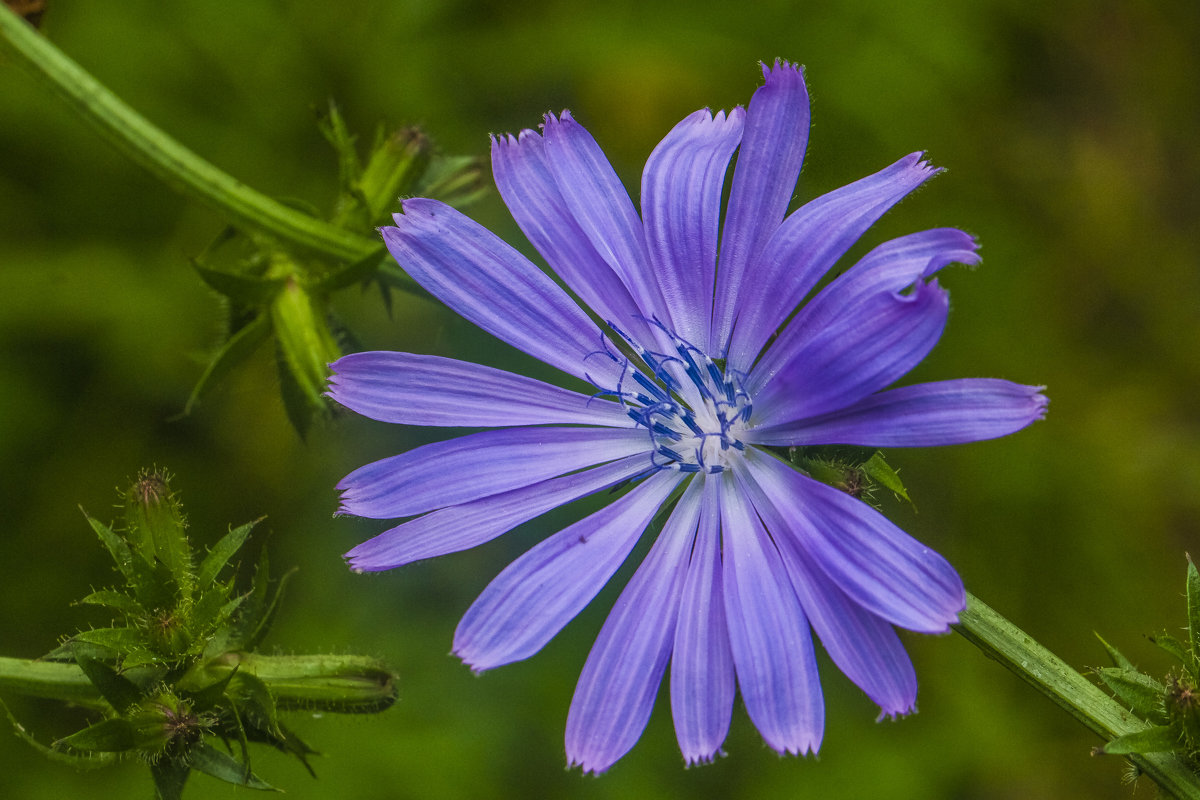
[694,412]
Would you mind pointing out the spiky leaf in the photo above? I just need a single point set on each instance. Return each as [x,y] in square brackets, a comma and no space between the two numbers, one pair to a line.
[242,288]
[1172,645]
[116,546]
[80,762]
[117,601]
[221,552]
[236,349]
[115,735]
[169,779]
[211,761]
[116,689]
[1193,605]
[1158,739]
[1141,693]
[119,639]
[1119,660]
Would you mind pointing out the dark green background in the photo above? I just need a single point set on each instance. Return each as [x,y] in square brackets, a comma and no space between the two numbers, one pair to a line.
[1070,138]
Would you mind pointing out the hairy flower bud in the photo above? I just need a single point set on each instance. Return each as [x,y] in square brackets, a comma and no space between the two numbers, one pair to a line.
[157,527]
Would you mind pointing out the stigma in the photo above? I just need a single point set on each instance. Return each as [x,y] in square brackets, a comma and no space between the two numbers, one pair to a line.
[693,411]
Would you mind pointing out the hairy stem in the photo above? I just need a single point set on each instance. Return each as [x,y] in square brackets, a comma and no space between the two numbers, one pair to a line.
[340,684]
[1016,650]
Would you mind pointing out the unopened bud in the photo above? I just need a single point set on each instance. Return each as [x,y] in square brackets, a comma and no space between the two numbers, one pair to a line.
[157,527]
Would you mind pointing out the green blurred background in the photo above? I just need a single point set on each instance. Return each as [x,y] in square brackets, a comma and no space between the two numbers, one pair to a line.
[1070,137]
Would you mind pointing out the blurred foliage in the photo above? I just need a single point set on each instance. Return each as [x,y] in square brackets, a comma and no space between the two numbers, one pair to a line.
[1069,134]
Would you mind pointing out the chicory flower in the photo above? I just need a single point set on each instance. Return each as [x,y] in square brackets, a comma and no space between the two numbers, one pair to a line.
[691,370]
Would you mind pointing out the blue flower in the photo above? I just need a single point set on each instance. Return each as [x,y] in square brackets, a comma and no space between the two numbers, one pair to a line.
[696,369]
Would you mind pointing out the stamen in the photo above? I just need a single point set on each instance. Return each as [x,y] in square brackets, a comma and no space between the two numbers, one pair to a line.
[692,431]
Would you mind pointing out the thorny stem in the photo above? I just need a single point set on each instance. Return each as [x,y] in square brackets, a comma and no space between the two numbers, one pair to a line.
[340,684]
[177,166]
[1017,651]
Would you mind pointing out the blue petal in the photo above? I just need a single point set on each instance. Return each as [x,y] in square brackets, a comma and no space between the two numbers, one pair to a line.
[681,206]
[460,527]
[525,181]
[536,595]
[702,674]
[768,632]
[863,646]
[768,164]
[601,207]
[486,281]
[890,268]
[877,565]
[923,415]
[478,465]
[620,680]
[430,390]
[875,340]
[806,245]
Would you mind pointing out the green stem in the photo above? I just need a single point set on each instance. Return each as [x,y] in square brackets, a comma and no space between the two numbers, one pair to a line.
[1000,639]
[168,160]
[339,684]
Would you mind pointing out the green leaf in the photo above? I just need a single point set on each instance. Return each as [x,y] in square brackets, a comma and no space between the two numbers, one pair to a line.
[107,736]
[116,546]
[117,639]
[210,697]
[169,777]
[455,180]
[72,649]
[211,761]
[248,290]
[80,762]
[878,470]
[1193,605]
[152,584]
[1119,661]
[117,690]
[1141,693]
[1172,645]
[333,127]
[222,551]
[141,657]
[117,601]
[256,703]
[236,349]
[289,742]
[1158,739]
[259,609]
[353,273]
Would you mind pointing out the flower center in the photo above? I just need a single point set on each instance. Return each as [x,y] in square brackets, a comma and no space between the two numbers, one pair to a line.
[693,411]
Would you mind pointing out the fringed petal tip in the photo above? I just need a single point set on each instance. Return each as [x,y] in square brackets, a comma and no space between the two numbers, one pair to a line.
[782,70]
[918,161]
[893,715]
[550,119]
[506,140]
[360,565]
[589,767]
[701,759]
[475,670]
[1042,402]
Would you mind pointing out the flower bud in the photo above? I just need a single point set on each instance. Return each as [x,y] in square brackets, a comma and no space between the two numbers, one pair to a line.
[305,346]
[157,527]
